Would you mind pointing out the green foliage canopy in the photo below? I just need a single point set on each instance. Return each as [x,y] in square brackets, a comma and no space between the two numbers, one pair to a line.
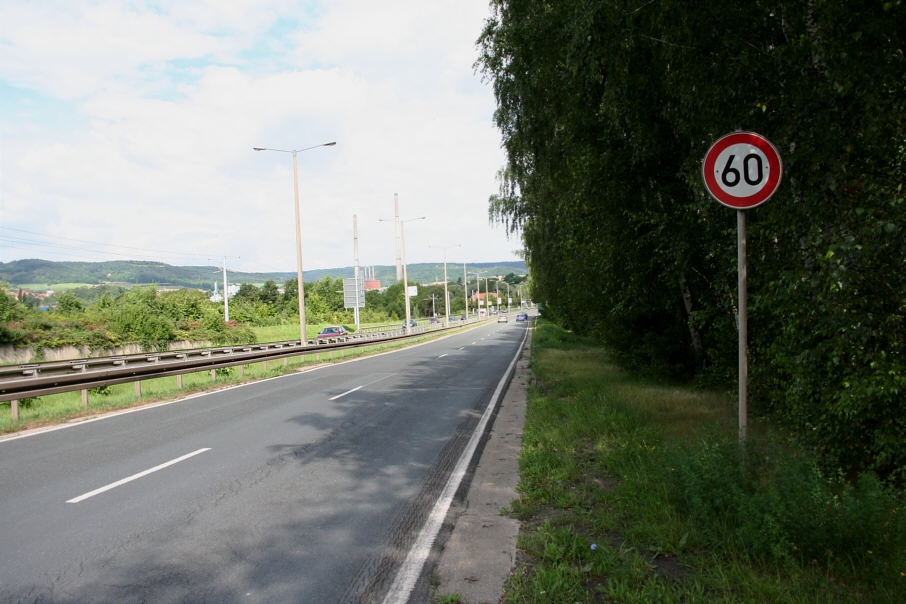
[606,110]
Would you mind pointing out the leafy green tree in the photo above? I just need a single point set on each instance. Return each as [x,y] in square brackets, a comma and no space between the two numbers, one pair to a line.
[136,323]
[269,294]
[329,292]
[138,316]
[290,301]
[184,306]
[10,308]
[606,110]
[68,304]
[394,301]
[374,300]
[247,292]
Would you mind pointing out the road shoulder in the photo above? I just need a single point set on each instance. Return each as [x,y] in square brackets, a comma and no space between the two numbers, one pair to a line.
[481,550]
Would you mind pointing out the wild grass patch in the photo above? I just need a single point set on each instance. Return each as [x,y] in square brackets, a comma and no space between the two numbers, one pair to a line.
[634,490]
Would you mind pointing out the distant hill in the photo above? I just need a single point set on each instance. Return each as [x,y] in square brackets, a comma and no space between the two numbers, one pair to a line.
[130,273]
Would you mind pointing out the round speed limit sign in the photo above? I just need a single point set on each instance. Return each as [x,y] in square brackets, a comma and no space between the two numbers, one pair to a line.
[742,170]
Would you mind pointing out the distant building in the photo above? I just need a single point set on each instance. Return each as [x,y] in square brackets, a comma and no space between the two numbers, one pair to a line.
[481,296]
[372,285]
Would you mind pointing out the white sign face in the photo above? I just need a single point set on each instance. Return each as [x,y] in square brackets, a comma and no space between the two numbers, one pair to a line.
[413,290]
[742,170]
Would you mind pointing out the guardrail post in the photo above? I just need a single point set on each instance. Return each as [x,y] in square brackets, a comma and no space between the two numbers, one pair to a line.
[14,407]
[138,388]
[179,375]
[213,375]
[84,390]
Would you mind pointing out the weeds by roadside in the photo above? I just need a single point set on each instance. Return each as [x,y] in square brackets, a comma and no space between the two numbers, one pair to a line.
[634,491]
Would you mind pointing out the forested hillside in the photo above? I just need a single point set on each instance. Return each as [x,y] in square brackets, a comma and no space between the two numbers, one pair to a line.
[606,111]
[131,272]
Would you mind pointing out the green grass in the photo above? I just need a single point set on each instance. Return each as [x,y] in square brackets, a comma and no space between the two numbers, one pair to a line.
[290,331]
[67,406]
[57,287]
[633,490]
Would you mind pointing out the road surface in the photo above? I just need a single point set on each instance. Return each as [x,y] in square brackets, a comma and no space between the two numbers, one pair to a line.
[305,488]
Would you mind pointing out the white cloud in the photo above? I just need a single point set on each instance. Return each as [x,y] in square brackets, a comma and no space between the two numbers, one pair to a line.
[164,105]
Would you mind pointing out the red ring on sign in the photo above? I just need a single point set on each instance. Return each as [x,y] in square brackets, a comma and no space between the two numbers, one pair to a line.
[770,152]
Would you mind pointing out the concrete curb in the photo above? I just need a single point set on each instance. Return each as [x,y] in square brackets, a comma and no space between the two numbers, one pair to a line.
[480,552]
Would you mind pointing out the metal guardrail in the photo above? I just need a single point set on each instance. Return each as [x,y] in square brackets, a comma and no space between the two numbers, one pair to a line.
[40,379]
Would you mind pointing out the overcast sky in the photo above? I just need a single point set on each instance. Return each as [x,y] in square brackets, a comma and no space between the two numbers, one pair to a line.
[126,131]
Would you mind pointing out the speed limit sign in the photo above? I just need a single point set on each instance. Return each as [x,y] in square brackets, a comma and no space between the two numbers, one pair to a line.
[742,170]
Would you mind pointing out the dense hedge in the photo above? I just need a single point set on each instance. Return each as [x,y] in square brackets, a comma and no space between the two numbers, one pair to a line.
[607,109]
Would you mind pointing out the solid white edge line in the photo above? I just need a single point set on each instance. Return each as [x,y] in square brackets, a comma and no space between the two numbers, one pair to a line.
[118,483]
[412,566]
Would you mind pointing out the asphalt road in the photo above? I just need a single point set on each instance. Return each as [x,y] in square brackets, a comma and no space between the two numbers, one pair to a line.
[303,488]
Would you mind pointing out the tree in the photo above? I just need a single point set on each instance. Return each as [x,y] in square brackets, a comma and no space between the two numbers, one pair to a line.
[290,302]
[269,293]
[247,292]
[68,304]
[137,316]
[606,110]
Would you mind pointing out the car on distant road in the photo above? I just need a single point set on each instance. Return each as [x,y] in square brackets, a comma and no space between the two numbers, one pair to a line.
[434,320]
[334,331]
[462,317]
[522,317]
[502,319]
[412,323]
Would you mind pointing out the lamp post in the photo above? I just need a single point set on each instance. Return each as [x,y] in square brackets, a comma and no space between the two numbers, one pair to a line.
[465,288]
[405,276]
[446,294]
[300,283]
[478,282]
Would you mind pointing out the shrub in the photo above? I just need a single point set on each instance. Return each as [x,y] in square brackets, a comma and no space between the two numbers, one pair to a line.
[779,506]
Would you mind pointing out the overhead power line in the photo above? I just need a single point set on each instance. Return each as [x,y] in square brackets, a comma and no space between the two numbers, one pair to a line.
[96,248]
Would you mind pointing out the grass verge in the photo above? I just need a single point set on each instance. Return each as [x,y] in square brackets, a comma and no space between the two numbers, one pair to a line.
[632,490]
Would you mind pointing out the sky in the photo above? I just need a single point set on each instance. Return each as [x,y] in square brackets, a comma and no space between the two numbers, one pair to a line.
[127,132]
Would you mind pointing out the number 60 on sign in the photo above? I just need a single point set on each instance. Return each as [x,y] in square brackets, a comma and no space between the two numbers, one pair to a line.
[742,170]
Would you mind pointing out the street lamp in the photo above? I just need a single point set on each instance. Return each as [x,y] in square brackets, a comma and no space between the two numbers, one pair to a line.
[300,283]
[486,297]
[405,276]
[446,295]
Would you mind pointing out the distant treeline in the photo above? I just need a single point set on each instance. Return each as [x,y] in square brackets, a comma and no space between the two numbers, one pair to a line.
[102,317]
